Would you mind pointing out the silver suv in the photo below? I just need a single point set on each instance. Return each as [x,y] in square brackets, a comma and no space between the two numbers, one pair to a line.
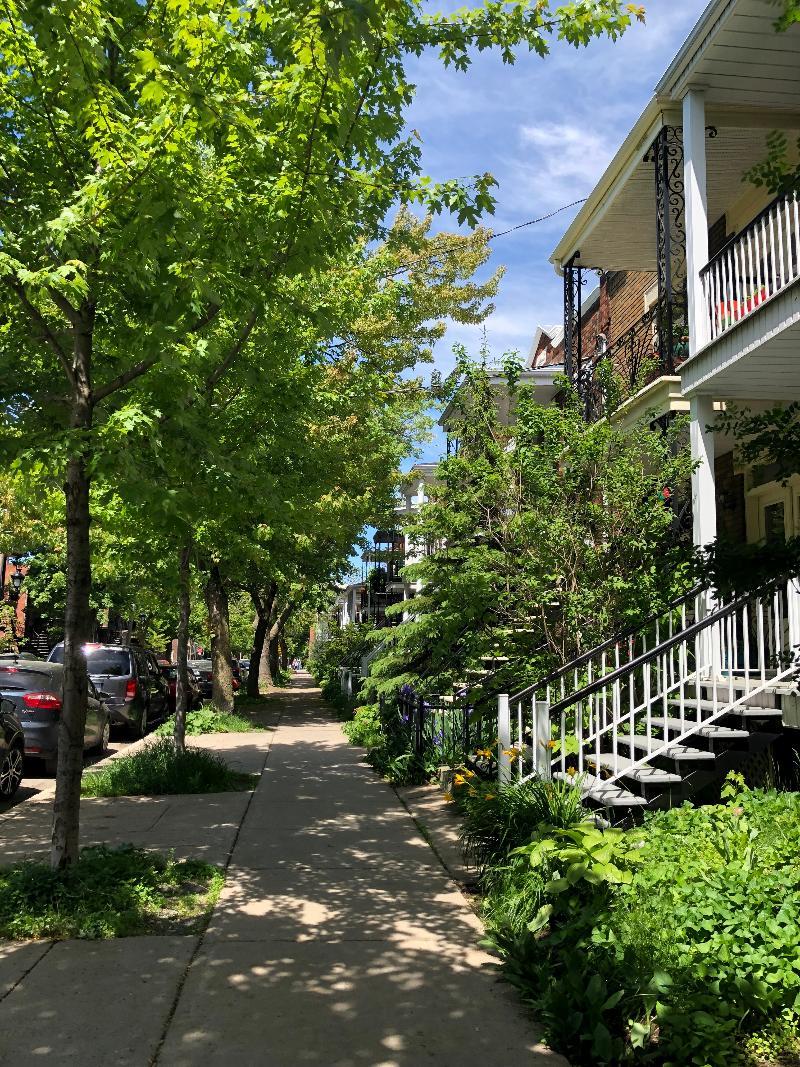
[130,682]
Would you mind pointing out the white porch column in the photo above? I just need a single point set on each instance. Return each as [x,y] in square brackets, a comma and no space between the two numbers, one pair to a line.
[704,503]
[694,178]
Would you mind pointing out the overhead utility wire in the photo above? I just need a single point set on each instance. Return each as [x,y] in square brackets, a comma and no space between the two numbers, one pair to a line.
[502,233]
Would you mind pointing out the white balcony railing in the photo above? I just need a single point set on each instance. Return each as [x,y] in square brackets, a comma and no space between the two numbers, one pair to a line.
[754,266]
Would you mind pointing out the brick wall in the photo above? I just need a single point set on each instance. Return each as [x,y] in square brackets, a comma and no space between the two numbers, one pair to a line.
[620,305]
[626,293]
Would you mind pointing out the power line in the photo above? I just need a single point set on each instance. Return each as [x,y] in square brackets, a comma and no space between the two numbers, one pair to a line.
[441,252]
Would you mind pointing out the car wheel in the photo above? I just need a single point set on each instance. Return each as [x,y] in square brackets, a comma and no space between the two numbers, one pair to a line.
[105,737]
[11,771]
[143,722]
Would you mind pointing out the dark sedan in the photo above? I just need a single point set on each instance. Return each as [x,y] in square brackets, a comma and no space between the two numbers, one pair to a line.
[12,750]
[36,690]
[170,674]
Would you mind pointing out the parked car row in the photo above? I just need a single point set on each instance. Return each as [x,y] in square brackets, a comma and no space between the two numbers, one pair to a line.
[128,688]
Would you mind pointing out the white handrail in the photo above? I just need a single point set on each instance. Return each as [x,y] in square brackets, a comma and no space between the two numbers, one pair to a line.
[695,679]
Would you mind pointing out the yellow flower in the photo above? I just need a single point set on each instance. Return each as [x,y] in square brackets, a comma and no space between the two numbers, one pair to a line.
[485,752]
[551,744]
[459,779]
[512,753]
[448,796]
[571,772]
[468,773]
[489,796]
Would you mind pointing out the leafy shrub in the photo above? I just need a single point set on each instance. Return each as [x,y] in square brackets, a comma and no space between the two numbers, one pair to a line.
[675,943]
[389,745]
[207,720]
[343,648]
[108,892]
[498,818]
[159,768]
[365,729]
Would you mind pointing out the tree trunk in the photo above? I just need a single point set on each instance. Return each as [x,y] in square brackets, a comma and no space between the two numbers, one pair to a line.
[217,601]
[259,636]
[265,674]
[182,683]
[263,608]
[78,615]
[284,653]
[274,638]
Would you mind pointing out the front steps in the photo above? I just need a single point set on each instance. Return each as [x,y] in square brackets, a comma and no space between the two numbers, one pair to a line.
[708,752]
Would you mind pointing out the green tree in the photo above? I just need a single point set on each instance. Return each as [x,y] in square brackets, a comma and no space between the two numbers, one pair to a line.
[543,537]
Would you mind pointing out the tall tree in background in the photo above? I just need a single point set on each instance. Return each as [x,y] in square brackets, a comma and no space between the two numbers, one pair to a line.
[548,535]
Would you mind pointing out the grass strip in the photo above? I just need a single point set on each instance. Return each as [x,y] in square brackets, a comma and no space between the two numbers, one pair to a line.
[160,769]
[207,720]
[108,892]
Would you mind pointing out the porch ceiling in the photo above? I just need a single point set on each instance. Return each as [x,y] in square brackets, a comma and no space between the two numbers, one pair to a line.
[741,61]
[750,75]
[624,236]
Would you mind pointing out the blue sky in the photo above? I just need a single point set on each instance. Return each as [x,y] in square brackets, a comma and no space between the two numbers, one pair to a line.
[545,128]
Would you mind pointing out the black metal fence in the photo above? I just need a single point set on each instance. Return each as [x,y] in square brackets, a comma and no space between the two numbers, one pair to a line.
[448,731]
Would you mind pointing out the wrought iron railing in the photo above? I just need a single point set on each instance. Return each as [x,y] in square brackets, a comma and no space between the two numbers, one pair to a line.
[655,345]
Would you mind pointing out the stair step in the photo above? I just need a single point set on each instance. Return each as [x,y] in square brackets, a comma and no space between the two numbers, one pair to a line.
[711,731]
[747,711]
[623,765]
[606,794]
[676,752]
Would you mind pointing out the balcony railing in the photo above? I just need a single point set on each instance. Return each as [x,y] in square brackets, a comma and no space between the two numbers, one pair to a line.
[655,345]
[754,266]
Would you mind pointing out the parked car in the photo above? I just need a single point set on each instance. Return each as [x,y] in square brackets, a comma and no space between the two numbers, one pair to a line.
[170,673]
[204,671]
[12,750]
[129,680]
[36,691]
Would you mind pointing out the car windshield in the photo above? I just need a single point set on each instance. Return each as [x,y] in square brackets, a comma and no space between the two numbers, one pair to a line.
[111,662]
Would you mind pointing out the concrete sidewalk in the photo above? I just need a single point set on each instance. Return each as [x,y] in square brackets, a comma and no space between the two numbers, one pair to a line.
[339,940]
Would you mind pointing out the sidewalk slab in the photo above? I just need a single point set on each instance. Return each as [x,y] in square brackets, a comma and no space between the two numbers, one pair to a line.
[201,827]
[340,904]
[347,1004]
[94,1003]
[16,959]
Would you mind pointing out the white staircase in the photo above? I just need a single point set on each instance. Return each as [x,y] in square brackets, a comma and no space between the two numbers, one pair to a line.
[648,718]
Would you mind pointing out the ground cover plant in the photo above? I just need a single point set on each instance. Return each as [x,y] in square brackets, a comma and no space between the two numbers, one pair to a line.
[674,943]
[207,720]
[109,892]
[160,768]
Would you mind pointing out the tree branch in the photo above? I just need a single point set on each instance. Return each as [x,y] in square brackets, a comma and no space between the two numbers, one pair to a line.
[225,364]
[39,320]
[128,376]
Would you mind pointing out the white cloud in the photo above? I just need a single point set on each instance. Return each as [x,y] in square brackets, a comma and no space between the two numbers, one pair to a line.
[561,161]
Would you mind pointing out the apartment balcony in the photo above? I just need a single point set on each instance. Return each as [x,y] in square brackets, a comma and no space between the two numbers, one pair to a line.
[750,315]
[650,350]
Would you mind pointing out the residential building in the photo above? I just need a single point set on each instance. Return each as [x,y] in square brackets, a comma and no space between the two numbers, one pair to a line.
[674,226]
[698,307]
[381,582]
